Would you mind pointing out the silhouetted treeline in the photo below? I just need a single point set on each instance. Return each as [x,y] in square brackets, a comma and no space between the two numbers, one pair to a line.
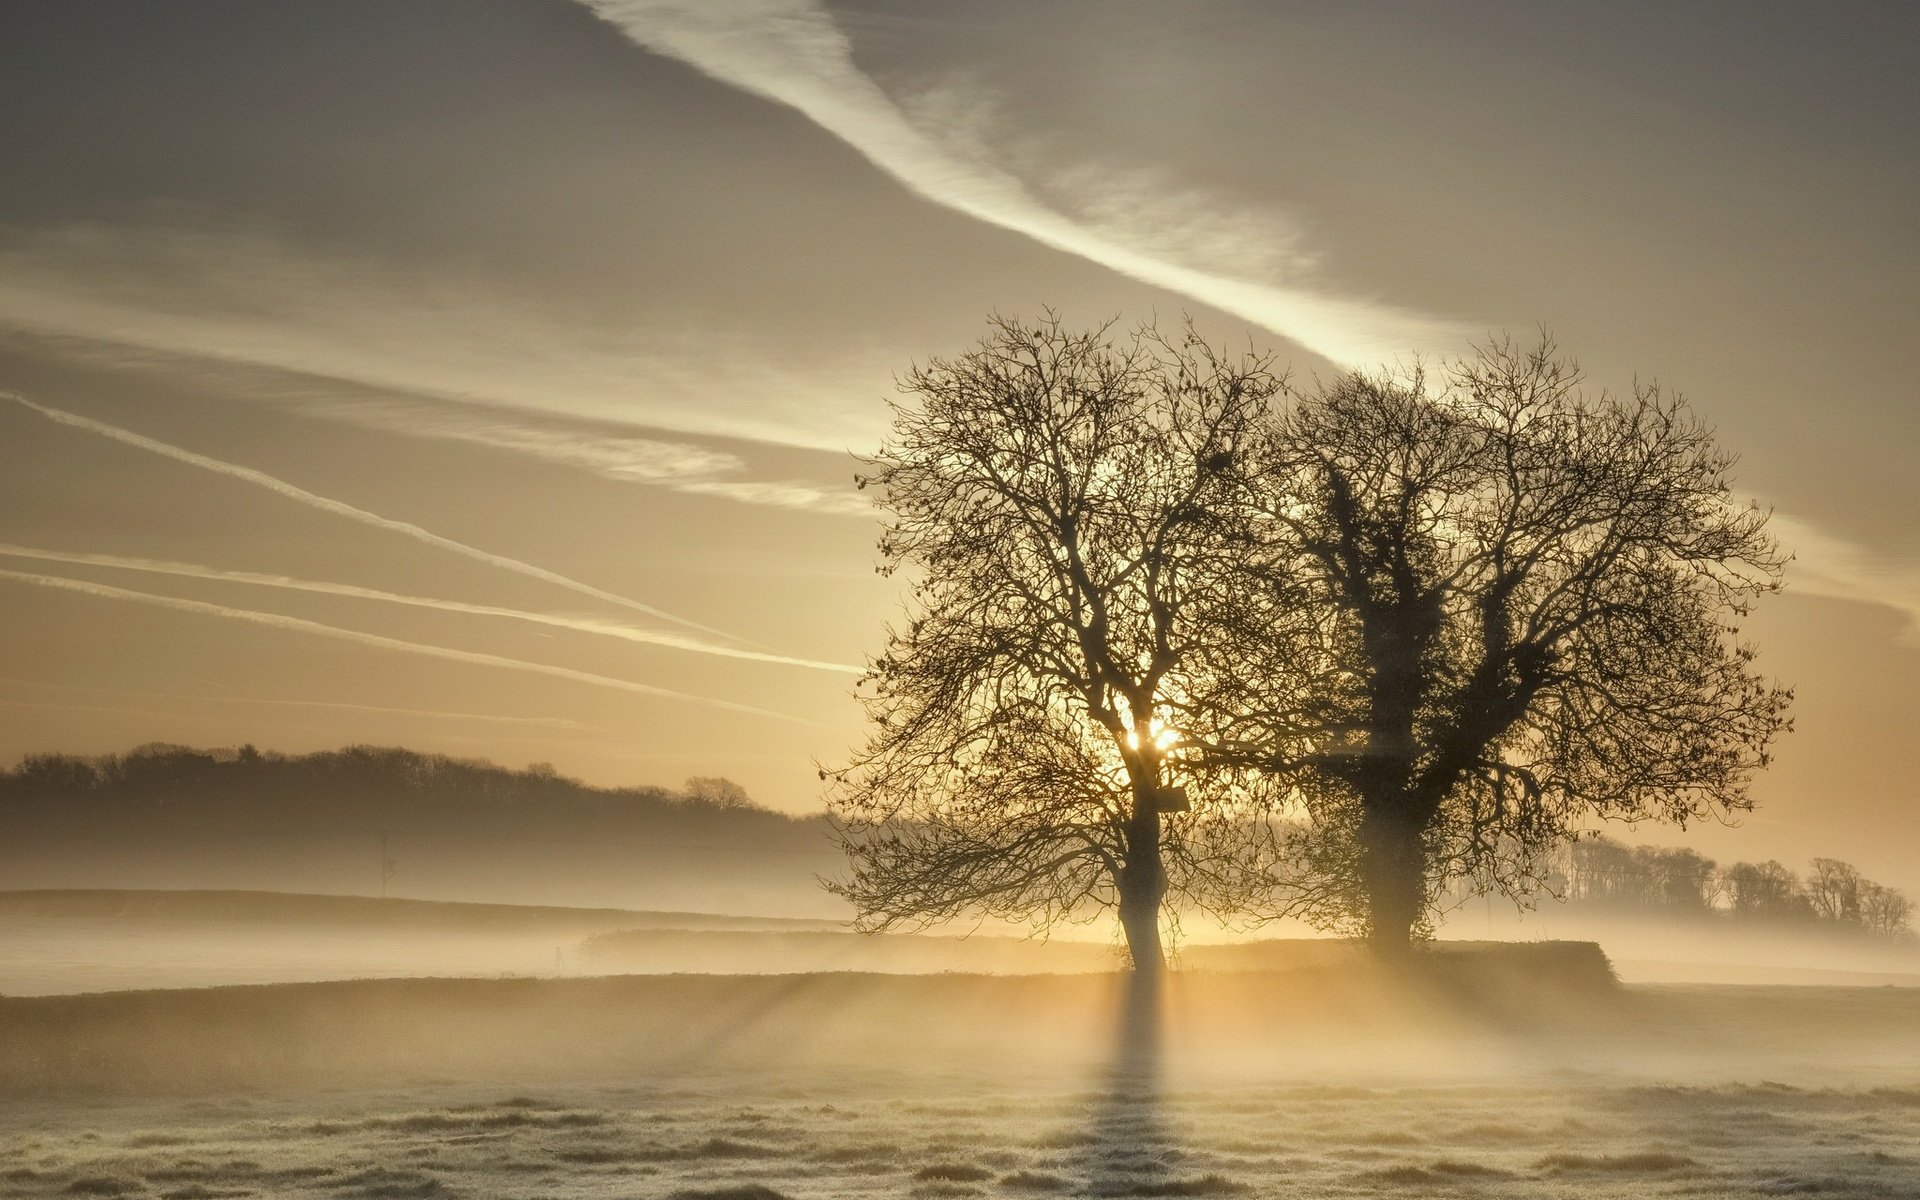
[1831,894]
[357,783]
[362,818]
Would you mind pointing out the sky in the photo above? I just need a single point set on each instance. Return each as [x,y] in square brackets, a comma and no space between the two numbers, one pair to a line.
[485,376]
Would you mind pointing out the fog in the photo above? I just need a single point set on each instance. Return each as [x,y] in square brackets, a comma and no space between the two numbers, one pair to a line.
[69,941]
[407,1048]
[1533,1080]
[578,994]
[1703,949]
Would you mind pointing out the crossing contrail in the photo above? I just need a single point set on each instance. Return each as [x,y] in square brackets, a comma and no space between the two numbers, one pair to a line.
[343,509]
[300,625]
[578,624]
[282,702]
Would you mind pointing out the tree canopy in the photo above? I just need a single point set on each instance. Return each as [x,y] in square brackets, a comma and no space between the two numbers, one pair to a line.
[1527,604]
[1165,607]
[1071,510]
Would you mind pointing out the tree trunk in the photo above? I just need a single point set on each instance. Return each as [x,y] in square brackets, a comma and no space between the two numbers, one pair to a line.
[1142,885]
[1393,871]
[1140,921]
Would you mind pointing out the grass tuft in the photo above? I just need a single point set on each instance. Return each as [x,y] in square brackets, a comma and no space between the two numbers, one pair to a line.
[1035,1181]
[877,1152]
[720,1147]
[1202,1185]
[1466,1170]
[595,1155]
[1644,1161]
[379,1183]
[953,1172]
[104,1185]
[1384,1137]
[1406,1176]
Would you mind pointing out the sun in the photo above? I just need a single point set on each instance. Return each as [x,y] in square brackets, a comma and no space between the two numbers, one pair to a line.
[1165,737]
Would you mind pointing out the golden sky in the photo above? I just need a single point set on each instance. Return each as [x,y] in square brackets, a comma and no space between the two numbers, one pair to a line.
[481,376]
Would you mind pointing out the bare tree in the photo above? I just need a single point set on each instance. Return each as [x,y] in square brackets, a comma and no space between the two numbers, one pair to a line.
[1527,604]
[1601,870]
[1884,911]
[1765,891]
[1834,889]
[717,792]
[1070,508]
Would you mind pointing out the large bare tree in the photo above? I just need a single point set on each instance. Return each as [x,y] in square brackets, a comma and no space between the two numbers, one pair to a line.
[1071,511]
[1525,615]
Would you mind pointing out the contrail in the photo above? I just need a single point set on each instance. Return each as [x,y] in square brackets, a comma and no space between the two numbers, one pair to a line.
[109,708]
[792,53]
[299,625]
[338,705]
[1825,565]
[340,508]
[176,713]
[630,633]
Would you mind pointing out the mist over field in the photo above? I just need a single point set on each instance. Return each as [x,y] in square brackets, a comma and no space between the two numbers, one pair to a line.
[176,867]
[1504,1075]
[230,1039]
[958,599]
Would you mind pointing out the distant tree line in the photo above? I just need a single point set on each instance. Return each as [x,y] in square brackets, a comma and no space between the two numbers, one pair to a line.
[355,785]
[383,820]
[1681,882]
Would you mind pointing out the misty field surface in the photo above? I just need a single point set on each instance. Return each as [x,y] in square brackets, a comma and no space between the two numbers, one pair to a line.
[877,1133]
[1291,1070]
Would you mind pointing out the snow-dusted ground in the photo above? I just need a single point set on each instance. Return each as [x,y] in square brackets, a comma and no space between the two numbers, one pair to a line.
[873,1132]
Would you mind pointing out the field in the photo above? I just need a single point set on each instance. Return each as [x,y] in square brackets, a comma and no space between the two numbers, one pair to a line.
[89,940]
[872,1132]
[1283,1084]
[1287,1070]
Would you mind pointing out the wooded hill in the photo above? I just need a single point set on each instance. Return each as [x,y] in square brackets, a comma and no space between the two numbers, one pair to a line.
[367,819]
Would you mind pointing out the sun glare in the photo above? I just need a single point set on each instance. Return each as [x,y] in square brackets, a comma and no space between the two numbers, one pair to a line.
[1165,737]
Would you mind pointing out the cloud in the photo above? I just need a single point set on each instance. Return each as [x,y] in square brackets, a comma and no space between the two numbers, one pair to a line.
[1151,209]
[576,624]
[382,710]
[614,456]
[1837,569]
[248,296]
[342,509]
[779,494]
[676,466]
[1145,208]
[792,53]
[300,625]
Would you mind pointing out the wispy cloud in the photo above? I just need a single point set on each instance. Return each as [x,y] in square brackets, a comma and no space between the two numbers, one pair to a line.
[381,710]
[791,52]
[676,466]
[572,623]
[1159,215]
[249,295]
[615,456]
[342,509]
[301,625]
[1825,565]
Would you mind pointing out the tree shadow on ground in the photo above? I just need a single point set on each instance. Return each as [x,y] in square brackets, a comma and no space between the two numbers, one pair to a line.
[1128,1147]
